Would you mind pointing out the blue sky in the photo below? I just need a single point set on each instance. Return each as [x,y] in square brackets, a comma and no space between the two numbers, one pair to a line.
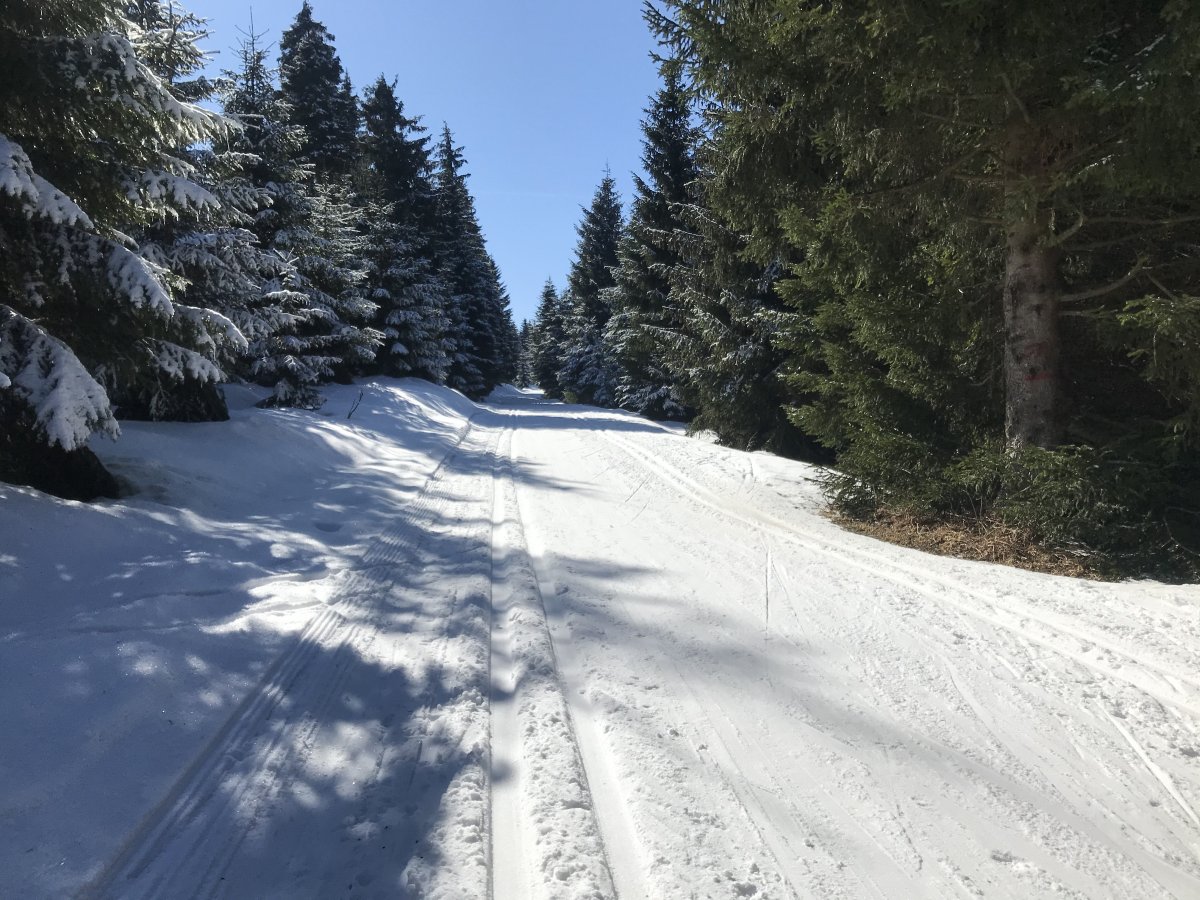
[543,94]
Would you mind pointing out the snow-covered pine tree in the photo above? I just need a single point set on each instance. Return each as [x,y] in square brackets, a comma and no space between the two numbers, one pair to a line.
[647,253]
[477,303]
[403,278]
[88,152]
[315,303]
[215,259]
[317,92]
[589,372]
[525,354]
[549,341]
[507,361]
[329,250]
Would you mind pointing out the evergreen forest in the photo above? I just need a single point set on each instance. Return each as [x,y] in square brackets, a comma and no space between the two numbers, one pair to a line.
[163,230]
[952,249]
[949,249]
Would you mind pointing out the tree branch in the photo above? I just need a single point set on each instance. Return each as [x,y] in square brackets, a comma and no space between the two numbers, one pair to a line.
[1008,87]
[1170,295]
[1108,288]
[946,171]
[1063,236]
[1162,223]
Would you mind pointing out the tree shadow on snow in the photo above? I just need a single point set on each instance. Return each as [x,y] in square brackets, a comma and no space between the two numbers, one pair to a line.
[314,763]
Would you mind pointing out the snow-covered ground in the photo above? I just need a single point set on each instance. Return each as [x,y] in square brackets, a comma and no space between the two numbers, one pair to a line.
[527,650]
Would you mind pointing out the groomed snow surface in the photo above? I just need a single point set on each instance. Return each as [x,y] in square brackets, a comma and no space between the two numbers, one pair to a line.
[528,650]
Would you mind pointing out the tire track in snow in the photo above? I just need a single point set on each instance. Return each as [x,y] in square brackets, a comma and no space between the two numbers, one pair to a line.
[543,805]
[187,844]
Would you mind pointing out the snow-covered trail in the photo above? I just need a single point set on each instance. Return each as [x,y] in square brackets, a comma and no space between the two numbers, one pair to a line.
[578,655]
[359,762]
[777,708]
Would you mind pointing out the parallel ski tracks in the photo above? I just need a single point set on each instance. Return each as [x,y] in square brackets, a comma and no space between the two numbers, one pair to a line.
[1170,687]
[941,590]
[249,760]
[546,840]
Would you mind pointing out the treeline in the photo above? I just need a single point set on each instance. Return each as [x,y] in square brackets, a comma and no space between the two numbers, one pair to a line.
[152,246]
[954,247]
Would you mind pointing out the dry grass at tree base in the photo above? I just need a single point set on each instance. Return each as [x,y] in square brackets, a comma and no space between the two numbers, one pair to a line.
[986,541]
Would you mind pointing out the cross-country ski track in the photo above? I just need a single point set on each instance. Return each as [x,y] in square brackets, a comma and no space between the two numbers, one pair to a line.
[589,657]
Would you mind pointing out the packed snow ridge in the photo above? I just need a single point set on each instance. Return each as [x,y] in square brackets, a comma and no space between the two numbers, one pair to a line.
[436,649]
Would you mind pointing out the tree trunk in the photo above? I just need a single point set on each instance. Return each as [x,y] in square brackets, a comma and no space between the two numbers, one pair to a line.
[1034,414]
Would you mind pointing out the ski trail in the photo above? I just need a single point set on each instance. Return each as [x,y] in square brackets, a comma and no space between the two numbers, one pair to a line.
[1146,675]
[1162,777]
[1010,631]
[510,867]
[540,788]
[331,703]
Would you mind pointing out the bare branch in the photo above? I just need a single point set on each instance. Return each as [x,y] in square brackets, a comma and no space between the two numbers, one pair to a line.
[1063,236]
[1017,100]
[1162,223]
[1170,295]
[1108,288]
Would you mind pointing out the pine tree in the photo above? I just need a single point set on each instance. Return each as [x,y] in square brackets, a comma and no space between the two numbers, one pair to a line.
[215,261]
[318,94]
[477,305]
[589,373]
[314,313]
[167,38]
[525,355]
[403,279]
[506,357]
[722,350]
[88,152]
[985,216]
[647,254]
[329,252]
[548,342]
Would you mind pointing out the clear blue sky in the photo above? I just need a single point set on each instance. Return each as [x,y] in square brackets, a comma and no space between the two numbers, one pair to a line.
[543,94]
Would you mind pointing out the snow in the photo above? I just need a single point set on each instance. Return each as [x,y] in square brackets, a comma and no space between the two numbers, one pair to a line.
[166,190]
[68,404]
[38,197]
[138,280]
[528,650]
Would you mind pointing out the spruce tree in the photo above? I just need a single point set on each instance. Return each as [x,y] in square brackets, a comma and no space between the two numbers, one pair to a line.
[403,278]
[1031,162]
[722,350]
[525,355]
[589,370]
[548,342]
[214,260]
[318,94]
[479,322]
[89,139]
[648,252]
[315,312]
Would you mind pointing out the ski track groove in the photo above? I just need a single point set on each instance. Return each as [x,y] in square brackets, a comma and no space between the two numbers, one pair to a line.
[621,819]
[869,563]
[211,786]
[557,805]
[567,832]
[905,577]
